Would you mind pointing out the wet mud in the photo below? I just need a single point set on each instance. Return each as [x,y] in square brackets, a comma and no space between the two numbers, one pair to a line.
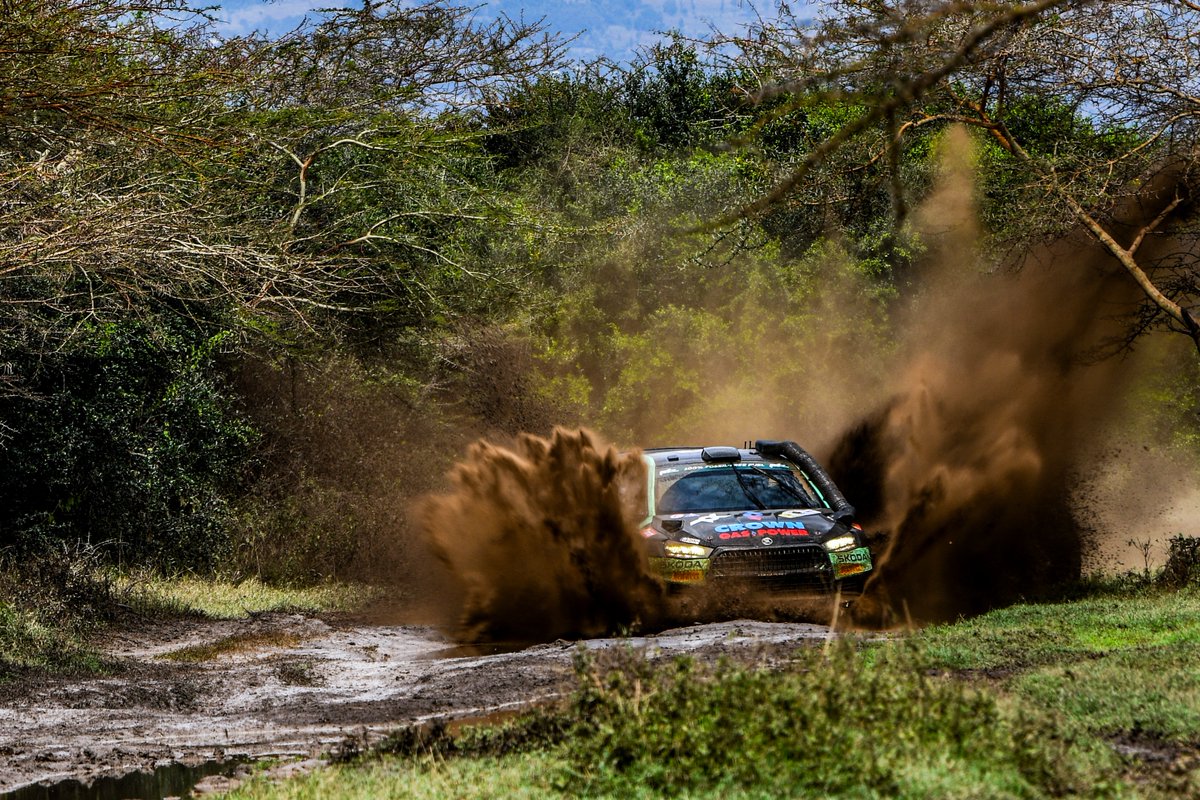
[540,540]
[308,685]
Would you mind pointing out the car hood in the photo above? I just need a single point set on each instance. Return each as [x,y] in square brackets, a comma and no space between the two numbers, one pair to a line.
[750,528]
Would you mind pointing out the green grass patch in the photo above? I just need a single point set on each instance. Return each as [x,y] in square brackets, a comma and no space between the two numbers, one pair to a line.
[234,600]
[524,775]
[1116,666]
[232,644]
[1024,636]
[862,722]
[1152,692]
[27,643]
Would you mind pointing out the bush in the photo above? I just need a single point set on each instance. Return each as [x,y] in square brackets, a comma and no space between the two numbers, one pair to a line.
[872,722]
[50,599]
[1183,562]
[126,438]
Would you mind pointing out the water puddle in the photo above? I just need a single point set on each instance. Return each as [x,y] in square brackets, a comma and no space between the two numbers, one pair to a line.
[476,650]
[169,780]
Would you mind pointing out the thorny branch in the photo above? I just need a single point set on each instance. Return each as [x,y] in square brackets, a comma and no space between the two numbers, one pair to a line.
[140,160]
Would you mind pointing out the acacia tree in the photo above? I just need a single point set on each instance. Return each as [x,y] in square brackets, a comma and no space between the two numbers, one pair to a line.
[1131,71]
[164,190]
[145,161]
[1089,99]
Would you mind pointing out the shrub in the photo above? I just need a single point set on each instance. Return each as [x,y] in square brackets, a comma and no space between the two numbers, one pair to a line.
[128,438]
[1183,562]
[872,722]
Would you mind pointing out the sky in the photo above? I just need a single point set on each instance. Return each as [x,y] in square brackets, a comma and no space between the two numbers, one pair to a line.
[612,28]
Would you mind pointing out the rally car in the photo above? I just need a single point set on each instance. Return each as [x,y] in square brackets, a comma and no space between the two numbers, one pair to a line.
[764,515]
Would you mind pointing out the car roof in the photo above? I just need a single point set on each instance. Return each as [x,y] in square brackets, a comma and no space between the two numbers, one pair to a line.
[670,455]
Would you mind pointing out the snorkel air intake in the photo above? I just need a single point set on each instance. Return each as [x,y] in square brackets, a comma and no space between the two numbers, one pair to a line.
[793,452]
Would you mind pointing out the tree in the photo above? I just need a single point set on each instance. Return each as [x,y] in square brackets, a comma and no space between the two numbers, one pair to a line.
[147,163]
[1131,69]
[167,195]
[1090,100]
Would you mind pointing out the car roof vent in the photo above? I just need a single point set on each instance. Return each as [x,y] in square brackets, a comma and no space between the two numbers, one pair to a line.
[720,454]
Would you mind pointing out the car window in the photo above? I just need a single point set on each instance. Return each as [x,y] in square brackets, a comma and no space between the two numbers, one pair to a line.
[734,488]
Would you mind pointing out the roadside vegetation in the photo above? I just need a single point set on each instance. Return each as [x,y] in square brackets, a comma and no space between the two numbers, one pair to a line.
[221,599]
[257,294]
[1092,697]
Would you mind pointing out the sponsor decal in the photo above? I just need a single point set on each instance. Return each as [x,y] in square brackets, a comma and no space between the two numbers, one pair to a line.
[753,516]
[689,540]
[670,566]
[710,518]
[766,540]
[648,532]
[763,528]
[751,534]
[855,562]
[669,471]
[796,512]
[859,555]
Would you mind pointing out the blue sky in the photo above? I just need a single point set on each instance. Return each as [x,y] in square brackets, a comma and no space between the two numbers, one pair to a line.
[614,28]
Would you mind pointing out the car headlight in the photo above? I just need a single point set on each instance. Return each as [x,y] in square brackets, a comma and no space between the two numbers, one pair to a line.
[837,543]
[682,550]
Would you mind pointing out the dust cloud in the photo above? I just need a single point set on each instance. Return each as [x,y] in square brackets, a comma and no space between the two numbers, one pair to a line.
[965,473]
[967,468]
[541,540]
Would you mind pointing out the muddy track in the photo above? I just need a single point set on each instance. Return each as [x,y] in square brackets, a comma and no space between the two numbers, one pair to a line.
[291,684]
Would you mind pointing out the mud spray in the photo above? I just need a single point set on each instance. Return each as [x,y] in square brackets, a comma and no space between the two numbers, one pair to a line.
[541,540]
[966,469]
[993,399]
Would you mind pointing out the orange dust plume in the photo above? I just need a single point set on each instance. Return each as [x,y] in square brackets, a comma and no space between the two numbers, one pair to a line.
[541,540]
[967,469]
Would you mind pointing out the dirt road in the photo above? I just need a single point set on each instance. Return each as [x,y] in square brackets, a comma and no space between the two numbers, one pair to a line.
[293,684]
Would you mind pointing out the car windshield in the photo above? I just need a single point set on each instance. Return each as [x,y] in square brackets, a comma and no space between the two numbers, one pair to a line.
[734,488]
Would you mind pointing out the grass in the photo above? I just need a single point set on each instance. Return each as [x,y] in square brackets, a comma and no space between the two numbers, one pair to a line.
[523,775]
[1032,701]
[1115,665]
[46,624]
[232,644]
[1027,635]
[218,599]
[27,643]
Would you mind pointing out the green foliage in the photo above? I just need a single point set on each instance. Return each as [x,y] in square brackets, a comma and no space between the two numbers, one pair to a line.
[50,601]
[127,440]
[677,101]
[754,340]
[538,126]
[863,723]
[1183,562]
[1171,399]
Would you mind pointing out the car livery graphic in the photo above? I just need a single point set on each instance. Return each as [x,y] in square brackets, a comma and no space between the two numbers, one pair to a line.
[766,515]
